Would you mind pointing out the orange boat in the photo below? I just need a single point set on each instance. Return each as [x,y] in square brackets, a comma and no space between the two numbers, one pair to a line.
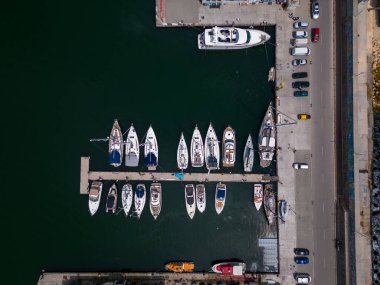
[180,267]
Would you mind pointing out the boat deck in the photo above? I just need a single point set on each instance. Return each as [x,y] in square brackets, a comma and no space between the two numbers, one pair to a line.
[86,175]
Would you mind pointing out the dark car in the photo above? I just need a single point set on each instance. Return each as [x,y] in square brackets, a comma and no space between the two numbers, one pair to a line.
[299,74]
[315,35]
[300,84]
[301,260]
[301,251]
[301,93]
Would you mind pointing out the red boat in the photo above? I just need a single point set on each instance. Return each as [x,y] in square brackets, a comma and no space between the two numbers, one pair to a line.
[229,268]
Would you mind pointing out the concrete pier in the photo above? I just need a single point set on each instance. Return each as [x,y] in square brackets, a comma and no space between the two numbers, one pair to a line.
[86,175]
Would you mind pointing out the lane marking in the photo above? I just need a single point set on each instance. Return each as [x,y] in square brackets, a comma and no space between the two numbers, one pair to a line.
[323,151]
[324,234]
[323,181]
[324,262]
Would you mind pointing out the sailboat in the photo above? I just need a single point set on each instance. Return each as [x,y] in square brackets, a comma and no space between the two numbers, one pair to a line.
[269,202]
[220,197]
[258,195]
[94,196]
[115,145]
[201,197]
[155,199]
[212,152]
[249,155]
[229,147]
[182,153]
[267,138]
[132,148]
[151,150]
[126,198]
[111,202]
[196,149]
[140,198]
[190,200]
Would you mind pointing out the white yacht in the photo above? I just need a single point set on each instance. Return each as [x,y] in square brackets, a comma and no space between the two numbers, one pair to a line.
[115,145]
[190,200]
[182,154]
[229,147]
[94,196]
[151,150]
[249,155]
[212,153]
[220,197]
[140,198]
[196,149]
[220,38]
[132,148]
[200,191]
[126,198]
[155,199]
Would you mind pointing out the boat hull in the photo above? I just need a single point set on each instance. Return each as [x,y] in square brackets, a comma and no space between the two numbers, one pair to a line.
[229,147]
[196,149]
[140,198]
[132,148]
[229,268]
[248,156]
[267,138]
[111,202]
[220,197]
[201,197]
[180,267]
[190,200]
[258,196]
[182,154]
[94,196]
[155,199]
[269,203]
[127,198]
[151,150]
[115,145]
[212,152]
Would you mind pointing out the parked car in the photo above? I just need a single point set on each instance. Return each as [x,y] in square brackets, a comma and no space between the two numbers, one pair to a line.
[301,251]
[300,84]
[297,62]
[300,34]
[299,75]
[303,117]
[302,278]
[301,260]
[315,10]
[315,35]
[300,93]
[300,25]
[300,165]
[300,51]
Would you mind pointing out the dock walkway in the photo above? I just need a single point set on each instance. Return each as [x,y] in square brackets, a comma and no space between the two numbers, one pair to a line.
[87,175]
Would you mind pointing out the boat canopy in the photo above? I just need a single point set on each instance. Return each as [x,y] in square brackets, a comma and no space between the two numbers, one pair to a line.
[212,162]
[151,159]
[272,142]
[114,157]
[221,193]
[110,202]
[140,192]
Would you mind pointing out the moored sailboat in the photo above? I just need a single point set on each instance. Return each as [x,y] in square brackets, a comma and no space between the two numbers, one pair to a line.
[140,198]
[267,138]
[201,197]
[94,196]
[132,148]
[258,195]
[182,154]
[151,150]
[190,200]
[220,197]
[111,202]
[115,145]
[126,198]
[269,203]
[196,149]
[212,153]
[249,155]
[229,147]
[155,199]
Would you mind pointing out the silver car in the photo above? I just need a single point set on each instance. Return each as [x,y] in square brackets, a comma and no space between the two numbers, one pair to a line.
[315,10]
[300,25]
[297,62]
[303,278]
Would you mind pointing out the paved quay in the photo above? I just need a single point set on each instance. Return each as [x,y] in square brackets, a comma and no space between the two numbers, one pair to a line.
[141,278]
[86,175]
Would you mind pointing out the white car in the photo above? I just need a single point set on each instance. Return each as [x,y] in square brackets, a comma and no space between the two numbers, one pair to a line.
[297,62]
[300,34]
[315,10]
[300,165]
[300,25]
[303,278]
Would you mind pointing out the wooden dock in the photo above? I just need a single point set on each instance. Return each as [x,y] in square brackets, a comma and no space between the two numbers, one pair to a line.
[86,175]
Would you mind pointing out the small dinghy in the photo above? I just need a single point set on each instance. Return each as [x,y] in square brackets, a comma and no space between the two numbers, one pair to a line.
[197,150]
[220,197]
[190,200]
[249,155]
[258,195]
[155,199]
[140,198]
[111,202]
[201,197]
[94,196]
[182,153]
[132,148]
[126,198]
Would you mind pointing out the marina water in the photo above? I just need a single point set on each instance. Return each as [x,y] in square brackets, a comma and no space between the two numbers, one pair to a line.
[72,71]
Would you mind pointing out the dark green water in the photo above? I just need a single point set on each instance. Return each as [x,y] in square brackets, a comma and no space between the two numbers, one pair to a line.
[68,70]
